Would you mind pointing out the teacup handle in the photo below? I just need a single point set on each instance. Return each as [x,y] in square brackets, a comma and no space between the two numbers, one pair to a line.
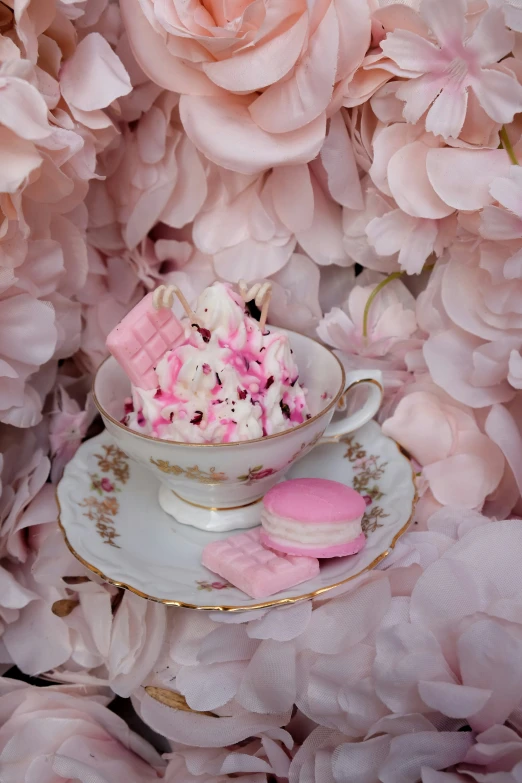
[373,380]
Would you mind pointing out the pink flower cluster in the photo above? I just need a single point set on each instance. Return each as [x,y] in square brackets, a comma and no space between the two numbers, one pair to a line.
[362,155]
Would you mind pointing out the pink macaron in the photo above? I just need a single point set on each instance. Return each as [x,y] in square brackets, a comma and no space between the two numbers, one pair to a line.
[313,517]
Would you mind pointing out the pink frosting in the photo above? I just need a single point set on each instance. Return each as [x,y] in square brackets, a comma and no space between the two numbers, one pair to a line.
[314,500]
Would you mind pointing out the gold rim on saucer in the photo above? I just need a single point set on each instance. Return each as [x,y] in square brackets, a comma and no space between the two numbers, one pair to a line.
[250,607]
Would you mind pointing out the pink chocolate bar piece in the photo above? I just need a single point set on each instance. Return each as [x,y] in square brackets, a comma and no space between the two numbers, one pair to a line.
[141,339]
[258,572]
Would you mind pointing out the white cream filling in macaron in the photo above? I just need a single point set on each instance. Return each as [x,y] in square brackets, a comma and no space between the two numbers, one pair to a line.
[310,534]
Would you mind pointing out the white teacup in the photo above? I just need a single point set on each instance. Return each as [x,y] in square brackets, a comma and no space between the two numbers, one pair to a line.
[219,486]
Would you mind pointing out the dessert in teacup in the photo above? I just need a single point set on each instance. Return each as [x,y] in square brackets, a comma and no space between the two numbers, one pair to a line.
[227,378]
[218,406]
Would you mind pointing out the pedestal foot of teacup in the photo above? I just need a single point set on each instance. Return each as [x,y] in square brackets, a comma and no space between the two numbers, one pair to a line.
[209,519]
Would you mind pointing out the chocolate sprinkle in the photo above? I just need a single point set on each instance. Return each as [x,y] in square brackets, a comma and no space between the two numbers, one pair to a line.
[241,393]
[308,415]
[269,382]
[197,418]
[205,333]
[285,409]
[171,417]
[218,379]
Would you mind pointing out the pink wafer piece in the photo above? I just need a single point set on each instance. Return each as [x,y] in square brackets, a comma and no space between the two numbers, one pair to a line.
[141,339]
[258,572]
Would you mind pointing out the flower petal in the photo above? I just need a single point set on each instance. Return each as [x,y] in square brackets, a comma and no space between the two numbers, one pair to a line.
[499,224]
[446,116]
[490,39]
[295,102]
[224,131]
[410,185]
[24,110]
[94,76]
[418,246]
[412,52]
[462,178]
[388,233]
[18,158]
[261,65]
[338,159]
[508,190]
[154,58]
[499,94]
[419,94]
[453,700]
[446,18]
[293,196]
[323,240]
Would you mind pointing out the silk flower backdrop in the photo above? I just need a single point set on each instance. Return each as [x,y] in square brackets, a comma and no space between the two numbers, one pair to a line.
[363,156]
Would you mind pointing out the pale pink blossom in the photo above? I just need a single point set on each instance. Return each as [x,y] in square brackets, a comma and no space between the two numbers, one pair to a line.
[505,224]
[67,732]
[461,465]
[105,637]
[251,223]
[390,324]
[462,663]
[428,180]
[474,324]
[443,69]
[395,750]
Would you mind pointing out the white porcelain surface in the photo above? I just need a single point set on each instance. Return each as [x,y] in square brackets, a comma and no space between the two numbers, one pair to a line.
[224,476]
[113,523]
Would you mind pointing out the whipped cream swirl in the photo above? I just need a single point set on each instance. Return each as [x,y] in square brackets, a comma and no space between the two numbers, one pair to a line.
[224,382]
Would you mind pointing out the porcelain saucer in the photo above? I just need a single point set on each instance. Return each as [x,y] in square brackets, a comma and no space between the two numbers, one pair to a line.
[107,502]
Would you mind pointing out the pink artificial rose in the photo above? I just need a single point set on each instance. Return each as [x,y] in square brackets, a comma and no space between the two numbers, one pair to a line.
[240,66]
[461,464]
[64,733]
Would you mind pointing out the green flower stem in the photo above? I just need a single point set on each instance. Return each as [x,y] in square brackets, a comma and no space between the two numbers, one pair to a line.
[378,288]
[504,140]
